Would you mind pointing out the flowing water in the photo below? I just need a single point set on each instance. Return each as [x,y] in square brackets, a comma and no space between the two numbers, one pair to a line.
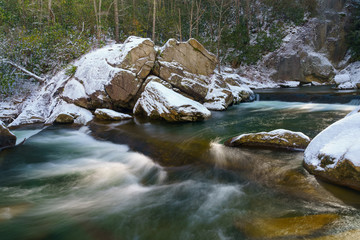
[141,180]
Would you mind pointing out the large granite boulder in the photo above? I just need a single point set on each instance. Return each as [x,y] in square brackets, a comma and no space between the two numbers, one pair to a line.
[333,155]
[7,139]
[280,138]
[111,76]
[187,66]
[190,55]
[160,102]
[137,55]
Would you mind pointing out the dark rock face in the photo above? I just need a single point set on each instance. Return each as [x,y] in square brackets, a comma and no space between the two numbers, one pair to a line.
[7,139]
[275,139]
[123,88]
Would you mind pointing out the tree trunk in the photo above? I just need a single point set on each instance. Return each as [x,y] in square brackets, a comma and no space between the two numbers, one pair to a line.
[180,35]
[191,19]
[116,16]
[154,22]
[51,17]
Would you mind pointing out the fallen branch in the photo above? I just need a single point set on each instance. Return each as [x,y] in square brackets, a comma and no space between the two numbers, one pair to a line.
[33,75]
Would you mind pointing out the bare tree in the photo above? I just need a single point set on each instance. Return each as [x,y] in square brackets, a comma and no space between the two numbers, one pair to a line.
[222,6]
[97,10]
[154,21]
[51,17]
[116,16]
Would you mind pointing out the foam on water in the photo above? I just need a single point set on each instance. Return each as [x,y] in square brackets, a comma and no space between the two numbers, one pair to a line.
[305,107]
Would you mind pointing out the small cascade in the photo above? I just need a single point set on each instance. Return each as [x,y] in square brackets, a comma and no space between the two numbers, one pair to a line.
[257,97]
[355,101]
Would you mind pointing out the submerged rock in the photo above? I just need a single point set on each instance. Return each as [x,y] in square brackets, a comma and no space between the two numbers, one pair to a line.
[160,102]
[107,114]
[333,155]
[275,139]
[293,227]
[7,139]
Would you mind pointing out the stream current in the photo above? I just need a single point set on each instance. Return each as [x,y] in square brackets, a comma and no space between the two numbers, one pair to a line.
[140,180]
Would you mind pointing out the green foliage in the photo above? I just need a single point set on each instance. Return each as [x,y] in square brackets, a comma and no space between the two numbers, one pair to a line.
[43,45]
[353,36]
[70,70]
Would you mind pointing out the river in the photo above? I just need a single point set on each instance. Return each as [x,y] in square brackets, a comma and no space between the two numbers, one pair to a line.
[140,180]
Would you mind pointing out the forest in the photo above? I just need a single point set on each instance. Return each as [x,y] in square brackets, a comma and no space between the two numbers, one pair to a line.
[45,35]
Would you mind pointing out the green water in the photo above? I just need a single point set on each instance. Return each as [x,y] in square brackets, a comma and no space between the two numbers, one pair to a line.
[140,180]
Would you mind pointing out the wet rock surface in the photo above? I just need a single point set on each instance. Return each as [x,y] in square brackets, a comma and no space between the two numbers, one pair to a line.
[280,138]
[7,139]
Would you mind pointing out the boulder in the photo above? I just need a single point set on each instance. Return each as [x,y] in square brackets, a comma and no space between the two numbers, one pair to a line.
[64,112]
[275,139]
[349,77]
[186,66]
[64,118]
[190,55]
[285,227]
[7,139]
[107,114]
[160,102]
[317,67]
[333,155]
[137,55]
[123,88]
[110,77]
[191,84]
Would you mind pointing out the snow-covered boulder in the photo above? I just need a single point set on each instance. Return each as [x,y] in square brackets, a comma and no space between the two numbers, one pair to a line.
[225,90]
[111,76]
[63,111]
[108,114]
[160,102]
[334,154]
[7,139]
[275,139]
[137,55]
[349,77]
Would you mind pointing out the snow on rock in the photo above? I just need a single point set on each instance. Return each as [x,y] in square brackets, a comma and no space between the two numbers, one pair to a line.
[334,153]
[107,114]
[7,139]
[349,77]
[136,54]
[279,138]
[226,89]
[160,102]
[81,116]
